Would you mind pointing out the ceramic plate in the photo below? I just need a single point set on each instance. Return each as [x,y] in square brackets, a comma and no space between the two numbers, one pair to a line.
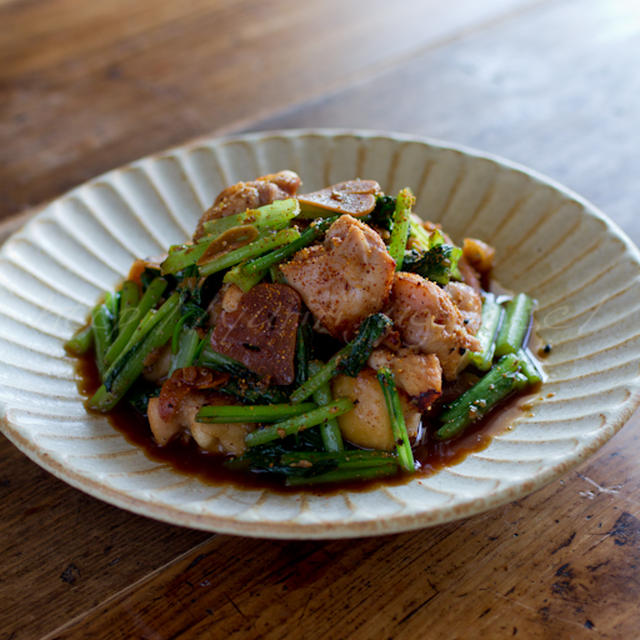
[550,243]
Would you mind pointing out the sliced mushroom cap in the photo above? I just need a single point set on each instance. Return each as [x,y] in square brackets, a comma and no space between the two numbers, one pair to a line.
[355,197]
[259,330]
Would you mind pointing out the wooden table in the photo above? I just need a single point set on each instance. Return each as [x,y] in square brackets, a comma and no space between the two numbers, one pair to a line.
[87,86]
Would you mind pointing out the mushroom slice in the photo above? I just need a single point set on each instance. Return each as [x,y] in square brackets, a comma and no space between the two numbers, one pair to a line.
[355,197]
[259,329]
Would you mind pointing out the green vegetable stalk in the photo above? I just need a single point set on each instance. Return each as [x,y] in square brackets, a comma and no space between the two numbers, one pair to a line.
[329,430]
[149,300]
[251,250]
[515,324]
[491,316]
[298,423]
[475,403]
[396,418]
[129,365]
[252,413]
[400,230]
[350,359]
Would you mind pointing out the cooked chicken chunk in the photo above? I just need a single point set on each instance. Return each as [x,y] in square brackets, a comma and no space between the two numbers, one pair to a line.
[166,429]
[428,319]
[344,280]
[478,254]
[367,425]
[417,374]
[250,195]
[469,275]
[226,439]
[469,304]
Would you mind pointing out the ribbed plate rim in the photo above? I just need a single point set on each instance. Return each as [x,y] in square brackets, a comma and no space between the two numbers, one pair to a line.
[366,527]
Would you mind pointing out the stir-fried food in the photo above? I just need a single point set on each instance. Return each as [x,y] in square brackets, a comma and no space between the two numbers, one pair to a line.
[316,338]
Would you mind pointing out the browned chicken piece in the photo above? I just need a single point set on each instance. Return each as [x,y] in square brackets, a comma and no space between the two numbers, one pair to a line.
[344,280]
[258,328]
[417,374]
[428,319]
[469,275]
[225,439]
[250,195]
[469,303]
[166,429]
[182,383]
[367,424]
[478,254]
[174,411]
[355,197]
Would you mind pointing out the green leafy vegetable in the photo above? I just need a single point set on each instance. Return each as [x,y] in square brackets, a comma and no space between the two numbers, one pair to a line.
[439,263]
[349,360]
[400,228]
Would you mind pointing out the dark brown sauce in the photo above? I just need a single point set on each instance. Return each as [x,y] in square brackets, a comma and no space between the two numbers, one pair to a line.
[187,458]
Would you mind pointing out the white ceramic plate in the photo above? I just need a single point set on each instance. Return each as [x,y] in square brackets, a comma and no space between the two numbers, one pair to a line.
[550,242]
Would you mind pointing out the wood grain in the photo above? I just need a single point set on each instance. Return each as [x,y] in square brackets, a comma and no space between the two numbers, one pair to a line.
[63,552]
[88,86]
[556,564]
[550,89]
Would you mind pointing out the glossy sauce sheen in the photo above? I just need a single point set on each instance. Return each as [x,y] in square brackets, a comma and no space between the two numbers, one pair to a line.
[190,459]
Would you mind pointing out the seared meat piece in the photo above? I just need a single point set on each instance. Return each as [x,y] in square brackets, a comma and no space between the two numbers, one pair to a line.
[225,438]
[478,254]
[367,424]
[250,195]
[469,304]
[182,383]
[418,374]
[344,280]
[217,438]
[428,319]
[356,197]
[181,397]
[259,329]
[166,429]
[469,274]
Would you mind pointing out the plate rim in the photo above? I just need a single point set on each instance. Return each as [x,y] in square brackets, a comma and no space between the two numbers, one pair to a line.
[341,529]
